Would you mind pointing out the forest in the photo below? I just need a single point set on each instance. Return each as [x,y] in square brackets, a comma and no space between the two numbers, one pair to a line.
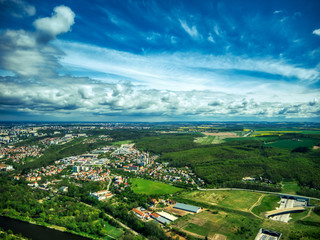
[76,211]
[226,163]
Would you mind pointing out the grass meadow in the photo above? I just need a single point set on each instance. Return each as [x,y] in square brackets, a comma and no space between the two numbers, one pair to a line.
[148,187]
[239,200]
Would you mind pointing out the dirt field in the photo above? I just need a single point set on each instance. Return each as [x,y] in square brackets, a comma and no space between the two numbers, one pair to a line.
[175,236]
[316,147]
[222,134]
[176,211]
[219,237]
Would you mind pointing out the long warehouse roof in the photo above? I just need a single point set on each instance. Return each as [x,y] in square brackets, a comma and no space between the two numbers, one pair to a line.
[187,207]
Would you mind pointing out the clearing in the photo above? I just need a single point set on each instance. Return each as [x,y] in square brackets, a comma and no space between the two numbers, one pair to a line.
[216,138]
[290,187]
[239,200]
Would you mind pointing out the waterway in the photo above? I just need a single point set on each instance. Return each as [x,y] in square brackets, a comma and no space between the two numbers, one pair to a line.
[36,232]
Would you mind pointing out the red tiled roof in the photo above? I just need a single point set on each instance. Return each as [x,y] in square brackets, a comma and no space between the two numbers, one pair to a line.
[138,212]
[155,215]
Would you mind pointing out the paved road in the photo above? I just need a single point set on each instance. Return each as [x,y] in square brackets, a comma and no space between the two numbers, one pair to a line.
[249,133]
[251,190]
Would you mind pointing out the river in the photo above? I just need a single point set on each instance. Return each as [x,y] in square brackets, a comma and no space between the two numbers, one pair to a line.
[36,232]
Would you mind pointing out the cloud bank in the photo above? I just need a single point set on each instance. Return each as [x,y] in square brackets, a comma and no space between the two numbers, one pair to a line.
[45,76]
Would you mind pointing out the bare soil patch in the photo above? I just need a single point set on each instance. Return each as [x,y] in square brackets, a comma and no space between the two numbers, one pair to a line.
[176,211]
[222,134]
[219,237]
[175,236]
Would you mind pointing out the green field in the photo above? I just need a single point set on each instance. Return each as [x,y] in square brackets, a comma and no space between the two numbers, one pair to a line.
[290,187]
[208,140]
[149,187]
[239,200]
[299,215]
[265,138]
[119,143]
[292,144]
[268,203]
[111,230]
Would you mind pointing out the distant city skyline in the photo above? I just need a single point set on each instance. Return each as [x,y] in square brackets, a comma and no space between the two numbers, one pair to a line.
[109,61]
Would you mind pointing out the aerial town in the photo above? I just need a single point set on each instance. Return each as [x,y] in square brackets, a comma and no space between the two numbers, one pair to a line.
[94,165]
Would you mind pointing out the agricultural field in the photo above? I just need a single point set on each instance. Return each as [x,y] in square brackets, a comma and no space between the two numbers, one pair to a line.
[267,133]
[230,225]
[208,140]
[217,138]
[234,222]
[261,138]
[292,144]
[148,187]
[239,200]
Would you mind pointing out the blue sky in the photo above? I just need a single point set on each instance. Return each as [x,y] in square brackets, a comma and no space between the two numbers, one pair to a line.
[160,60]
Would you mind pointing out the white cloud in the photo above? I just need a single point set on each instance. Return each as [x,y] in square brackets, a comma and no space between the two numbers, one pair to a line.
[21,54]
[277,11]
[28,54]
[192,31]
[83,96]
[185,71]
[217,30]
[60,22]
[316,32]
[210,38]
[167,84]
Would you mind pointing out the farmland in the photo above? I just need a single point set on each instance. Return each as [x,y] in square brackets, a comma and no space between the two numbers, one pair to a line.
[208,140]
[207,223]
[267,133]
[293,143]
[143,186]
[235,222]
[217,138]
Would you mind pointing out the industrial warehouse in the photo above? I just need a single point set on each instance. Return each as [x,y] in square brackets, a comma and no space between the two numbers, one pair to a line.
[187,207]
